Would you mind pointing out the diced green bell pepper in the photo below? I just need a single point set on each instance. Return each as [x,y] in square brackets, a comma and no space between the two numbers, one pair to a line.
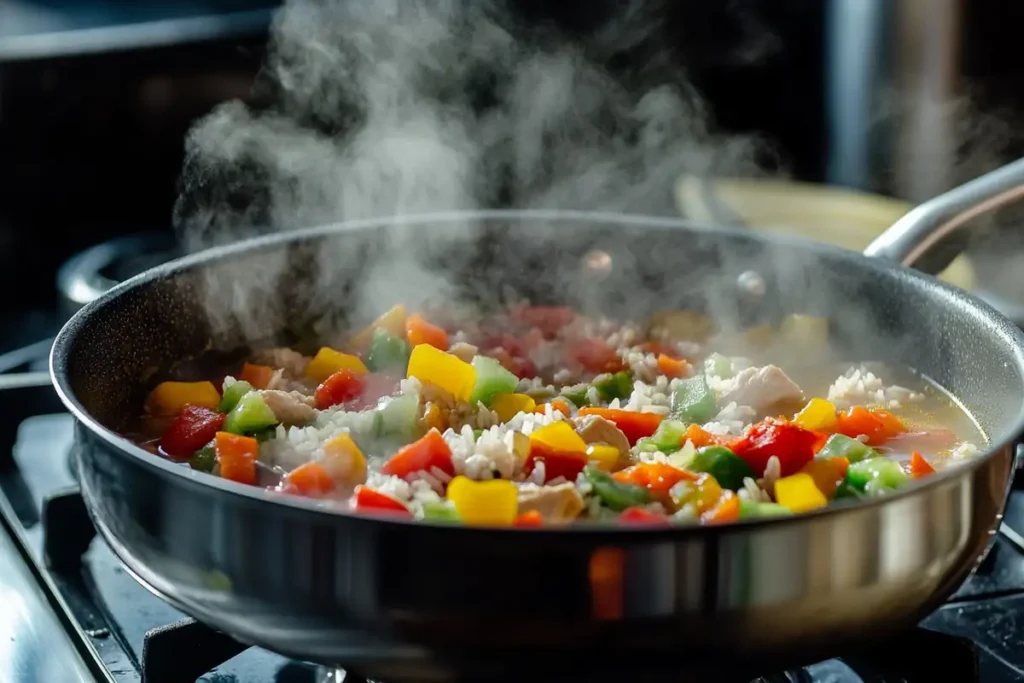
[232,395]
[204,459]
[752,509]
[839,445]
[668,437]
[477,433]
[387,352]
[726,467]
[439,511]
[491,379]
[616,385]
[694,401]
[577,395]
[614,494]
[250,415]
[875,475]
[398,415]
[718,365]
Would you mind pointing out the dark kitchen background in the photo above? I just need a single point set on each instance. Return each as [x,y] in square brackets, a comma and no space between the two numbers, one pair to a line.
[96,96]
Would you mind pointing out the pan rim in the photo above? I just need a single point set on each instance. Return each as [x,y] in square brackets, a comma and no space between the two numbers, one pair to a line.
[1010,334]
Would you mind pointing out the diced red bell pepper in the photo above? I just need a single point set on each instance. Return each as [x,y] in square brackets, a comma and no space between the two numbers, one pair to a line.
[640,516]
[656,477]
[369,500]
[635,425]
[531,518]
[236,457]
[556,463]
[595,355]
[794,446]
[309,479]
[193,428]
[341,387]
[548,319]
[421,456]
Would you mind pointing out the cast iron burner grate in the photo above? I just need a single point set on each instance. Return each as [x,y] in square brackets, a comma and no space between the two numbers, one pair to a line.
[136,638]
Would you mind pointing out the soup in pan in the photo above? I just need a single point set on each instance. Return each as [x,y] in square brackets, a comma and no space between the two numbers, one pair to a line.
[541,416]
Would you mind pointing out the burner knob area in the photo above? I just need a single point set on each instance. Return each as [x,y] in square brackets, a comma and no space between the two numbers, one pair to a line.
[91,273]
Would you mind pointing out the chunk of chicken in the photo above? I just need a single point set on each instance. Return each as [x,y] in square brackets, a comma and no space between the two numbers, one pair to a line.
[596,429]
[463,351]
[559,503]
[759,388]
[289,407]
[291,362]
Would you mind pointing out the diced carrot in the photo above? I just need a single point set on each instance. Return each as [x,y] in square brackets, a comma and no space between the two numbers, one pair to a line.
[256,375]
[419,331]
[530,518]
[236,456]
[635,425]
[672,367]
[726,510]
[656,477]
[310,479]
[919,467]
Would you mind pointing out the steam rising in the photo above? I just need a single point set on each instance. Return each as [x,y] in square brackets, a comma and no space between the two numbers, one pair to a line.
[396,107]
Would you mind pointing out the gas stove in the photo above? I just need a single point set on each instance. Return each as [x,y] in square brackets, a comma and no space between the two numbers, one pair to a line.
[70,612]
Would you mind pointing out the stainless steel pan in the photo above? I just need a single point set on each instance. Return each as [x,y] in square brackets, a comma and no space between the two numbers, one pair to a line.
[390,599]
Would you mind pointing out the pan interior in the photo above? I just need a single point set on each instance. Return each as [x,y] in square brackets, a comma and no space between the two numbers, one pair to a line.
[306,287]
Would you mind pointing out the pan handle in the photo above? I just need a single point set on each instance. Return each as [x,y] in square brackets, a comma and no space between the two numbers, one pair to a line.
[911,240]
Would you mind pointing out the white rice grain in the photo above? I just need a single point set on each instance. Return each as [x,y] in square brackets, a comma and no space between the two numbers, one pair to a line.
[859,386]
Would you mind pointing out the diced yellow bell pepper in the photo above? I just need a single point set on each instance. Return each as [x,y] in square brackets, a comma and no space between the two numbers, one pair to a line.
[606,457]
[168,398]
[818,416]
[392,322]
[345,461]
[508,406]
[798,493]
[559,436]
[431,366]
[484,503]
[521,446]
[327,361]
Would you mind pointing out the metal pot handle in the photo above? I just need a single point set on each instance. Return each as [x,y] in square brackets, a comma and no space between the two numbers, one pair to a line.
[912,239]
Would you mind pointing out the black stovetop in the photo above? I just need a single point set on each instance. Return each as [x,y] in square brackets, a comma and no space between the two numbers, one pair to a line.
[110,628]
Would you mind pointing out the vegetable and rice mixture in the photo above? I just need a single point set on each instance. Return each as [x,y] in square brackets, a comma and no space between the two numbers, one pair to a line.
[542,416]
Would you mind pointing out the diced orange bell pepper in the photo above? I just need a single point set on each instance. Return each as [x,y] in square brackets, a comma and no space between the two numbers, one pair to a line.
[258,376]
[877,425]
[827,473]
[309,479]
[236,457]
[422,455]
[656,477]
[919,467]
[635,425]
[530,518]
[700,438]
[556,404]
[726,510]
[672,367]
[642,517]
[419,331]
[170,398]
